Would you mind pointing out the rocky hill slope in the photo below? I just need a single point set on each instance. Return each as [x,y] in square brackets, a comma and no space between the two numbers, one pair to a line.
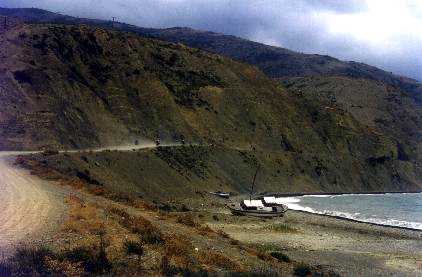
[80,86]
[276,62]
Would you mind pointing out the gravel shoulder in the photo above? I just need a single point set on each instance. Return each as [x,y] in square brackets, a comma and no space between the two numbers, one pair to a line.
[30,208]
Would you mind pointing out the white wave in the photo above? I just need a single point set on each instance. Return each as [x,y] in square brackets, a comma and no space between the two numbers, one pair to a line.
[287,200]
[358,217]
[297,207]
[292,203]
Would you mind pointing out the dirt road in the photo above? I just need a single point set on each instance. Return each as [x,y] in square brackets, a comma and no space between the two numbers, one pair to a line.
[29,206]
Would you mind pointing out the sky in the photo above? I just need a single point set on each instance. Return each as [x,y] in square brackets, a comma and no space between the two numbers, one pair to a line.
[384,33]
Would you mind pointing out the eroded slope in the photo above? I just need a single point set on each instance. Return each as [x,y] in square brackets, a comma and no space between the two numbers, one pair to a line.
[80,86]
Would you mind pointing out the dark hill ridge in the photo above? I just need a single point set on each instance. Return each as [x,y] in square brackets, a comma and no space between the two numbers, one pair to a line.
[276,62]
[80,86]
[280,63]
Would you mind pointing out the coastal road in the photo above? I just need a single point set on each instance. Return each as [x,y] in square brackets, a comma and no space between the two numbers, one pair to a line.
[30,206]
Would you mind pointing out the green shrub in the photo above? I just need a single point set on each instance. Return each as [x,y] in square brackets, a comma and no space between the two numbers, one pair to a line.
[5,269]
[267,247]
[284,228]
[281,257]
[133,247]
[30,261]
[302,270]
[92,260]
[151,236]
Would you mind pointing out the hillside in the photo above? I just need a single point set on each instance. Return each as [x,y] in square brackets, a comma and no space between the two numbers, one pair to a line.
[80,86]
[285,65]
[276,62]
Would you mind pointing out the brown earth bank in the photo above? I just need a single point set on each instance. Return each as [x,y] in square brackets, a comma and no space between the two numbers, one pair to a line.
[173,172]
[125,234]
[101,236]
[300,241]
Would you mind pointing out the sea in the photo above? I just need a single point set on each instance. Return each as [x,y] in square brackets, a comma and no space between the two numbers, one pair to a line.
[392,209]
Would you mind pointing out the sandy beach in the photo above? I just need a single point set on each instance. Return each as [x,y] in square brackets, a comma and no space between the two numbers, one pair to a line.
[349,248]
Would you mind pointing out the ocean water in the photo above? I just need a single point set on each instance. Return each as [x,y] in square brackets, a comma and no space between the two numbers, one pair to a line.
[394,209]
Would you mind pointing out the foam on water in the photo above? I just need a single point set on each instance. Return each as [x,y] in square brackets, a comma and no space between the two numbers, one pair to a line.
[393,209]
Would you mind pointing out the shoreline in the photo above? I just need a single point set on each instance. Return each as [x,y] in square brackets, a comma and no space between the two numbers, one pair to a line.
[358,221]
[335,193]
[350,248]
[282,195]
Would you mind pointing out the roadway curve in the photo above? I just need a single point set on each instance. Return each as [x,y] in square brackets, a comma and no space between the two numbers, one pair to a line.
[30,206]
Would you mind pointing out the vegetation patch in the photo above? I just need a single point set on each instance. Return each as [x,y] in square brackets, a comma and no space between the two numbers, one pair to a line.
[34,261]
[186,160]
[220,261]
[93,259]
[187,219]
[83,218]
[281,257]
[283,228]
[178,256]
[149,234]
[133,247]
[302,270]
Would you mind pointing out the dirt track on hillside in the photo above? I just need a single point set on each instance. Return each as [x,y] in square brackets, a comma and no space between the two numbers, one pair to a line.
[28,205]
[31,207]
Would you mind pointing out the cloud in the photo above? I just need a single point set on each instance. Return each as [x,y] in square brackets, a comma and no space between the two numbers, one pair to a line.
[384,33]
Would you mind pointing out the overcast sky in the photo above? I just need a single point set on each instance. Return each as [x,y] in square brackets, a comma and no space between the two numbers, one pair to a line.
[385,33]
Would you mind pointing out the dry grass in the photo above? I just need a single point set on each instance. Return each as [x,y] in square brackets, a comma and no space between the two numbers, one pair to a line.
[66,268]
[283,228]
[37,168]
[118,211]
[97,190]
[83,218]
[75,183]
[178,256]
[149,234]
[215,260]
[259,253]
[187,219]
[205,230]
[223,234]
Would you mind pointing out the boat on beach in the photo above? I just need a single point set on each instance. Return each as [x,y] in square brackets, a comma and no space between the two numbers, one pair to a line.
[256,208]
[271,201]
[262,207]
[220,194]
